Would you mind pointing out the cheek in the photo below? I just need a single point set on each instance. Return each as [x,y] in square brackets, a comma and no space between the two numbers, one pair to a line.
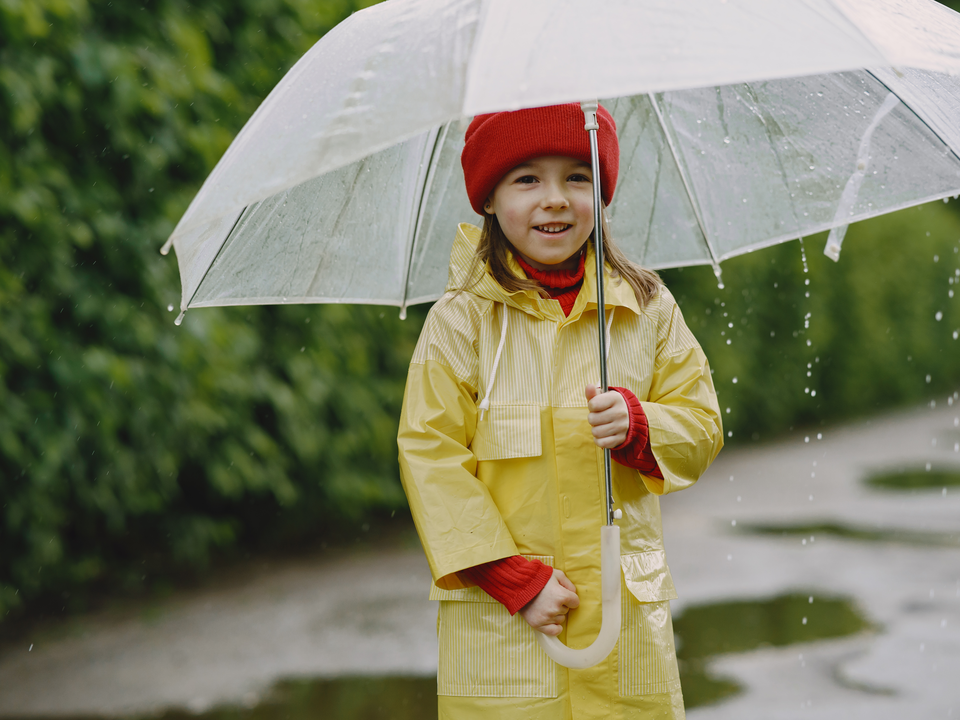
[584,209]
[511,216]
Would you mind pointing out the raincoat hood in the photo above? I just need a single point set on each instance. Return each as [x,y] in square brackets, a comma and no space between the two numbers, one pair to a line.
[464,269]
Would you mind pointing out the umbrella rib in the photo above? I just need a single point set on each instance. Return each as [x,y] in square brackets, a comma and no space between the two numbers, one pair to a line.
[915,114]
[438,139]
[715,260]
[216,257]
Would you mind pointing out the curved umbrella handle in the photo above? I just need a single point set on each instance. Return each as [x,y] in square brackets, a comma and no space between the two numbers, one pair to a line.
[610,598]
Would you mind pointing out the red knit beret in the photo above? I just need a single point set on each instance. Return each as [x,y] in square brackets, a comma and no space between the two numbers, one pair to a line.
[498,142]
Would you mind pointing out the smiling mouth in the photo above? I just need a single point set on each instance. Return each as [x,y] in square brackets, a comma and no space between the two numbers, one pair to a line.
[553,227]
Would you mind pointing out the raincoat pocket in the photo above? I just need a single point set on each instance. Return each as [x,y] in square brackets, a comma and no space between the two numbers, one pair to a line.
[484,652]
[648,657]
[647,576]
[508,431]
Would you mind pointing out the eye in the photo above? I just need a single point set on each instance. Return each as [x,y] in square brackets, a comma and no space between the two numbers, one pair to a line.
[526,179]
[578,178]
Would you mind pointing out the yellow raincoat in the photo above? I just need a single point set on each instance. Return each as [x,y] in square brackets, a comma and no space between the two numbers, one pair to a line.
[497,458]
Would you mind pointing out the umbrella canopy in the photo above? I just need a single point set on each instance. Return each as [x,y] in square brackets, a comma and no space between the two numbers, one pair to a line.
[742,123]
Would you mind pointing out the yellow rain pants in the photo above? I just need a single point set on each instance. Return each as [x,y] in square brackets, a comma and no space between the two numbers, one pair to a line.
[497,459]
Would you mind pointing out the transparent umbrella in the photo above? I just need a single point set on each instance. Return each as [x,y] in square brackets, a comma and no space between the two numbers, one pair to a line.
[742,123]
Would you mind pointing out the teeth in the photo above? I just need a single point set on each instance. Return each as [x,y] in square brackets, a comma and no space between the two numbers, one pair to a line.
[552,228]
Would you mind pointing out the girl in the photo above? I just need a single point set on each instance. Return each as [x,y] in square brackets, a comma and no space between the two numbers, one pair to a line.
[502,426]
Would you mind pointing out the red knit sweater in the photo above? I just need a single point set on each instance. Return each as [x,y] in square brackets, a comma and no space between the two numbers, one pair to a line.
[515,581]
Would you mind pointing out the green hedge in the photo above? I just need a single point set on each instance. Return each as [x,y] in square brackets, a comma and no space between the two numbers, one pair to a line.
[862,336]
[129,448]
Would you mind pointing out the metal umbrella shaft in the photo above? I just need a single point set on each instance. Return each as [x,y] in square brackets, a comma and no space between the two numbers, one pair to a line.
[592,126]
[609,533]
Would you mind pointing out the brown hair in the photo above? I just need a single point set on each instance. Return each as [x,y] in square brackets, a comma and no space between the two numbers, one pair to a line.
[493,246]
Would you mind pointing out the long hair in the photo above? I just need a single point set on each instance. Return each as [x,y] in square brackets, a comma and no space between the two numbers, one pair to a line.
[493,246]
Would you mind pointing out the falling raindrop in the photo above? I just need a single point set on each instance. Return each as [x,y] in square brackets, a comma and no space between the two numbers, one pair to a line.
[939,316]
[734,381]
[804,621]
[726,140]
[169,308]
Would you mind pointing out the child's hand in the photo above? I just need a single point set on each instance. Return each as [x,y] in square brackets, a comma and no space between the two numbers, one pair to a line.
[609,417]
[547,611]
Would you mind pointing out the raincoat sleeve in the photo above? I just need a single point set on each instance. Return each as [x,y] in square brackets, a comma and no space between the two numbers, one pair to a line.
[457,520]
[686,431]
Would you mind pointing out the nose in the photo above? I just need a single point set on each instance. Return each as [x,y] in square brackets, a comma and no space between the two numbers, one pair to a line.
[554,198]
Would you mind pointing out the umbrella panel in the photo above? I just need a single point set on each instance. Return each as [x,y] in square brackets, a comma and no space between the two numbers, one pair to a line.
[651,217]
[341,237]
[769,161]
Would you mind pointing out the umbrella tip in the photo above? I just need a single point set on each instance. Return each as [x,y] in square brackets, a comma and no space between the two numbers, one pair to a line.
[834,242]
[179,318]
[719,273]
[403,312]
[166,246]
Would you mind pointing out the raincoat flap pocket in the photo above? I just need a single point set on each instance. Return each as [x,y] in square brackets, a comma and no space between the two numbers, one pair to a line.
[473,593]
[647,576]
[508,431]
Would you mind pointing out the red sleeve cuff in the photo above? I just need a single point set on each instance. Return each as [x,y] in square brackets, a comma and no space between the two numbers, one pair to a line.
[635,452]
[513,581]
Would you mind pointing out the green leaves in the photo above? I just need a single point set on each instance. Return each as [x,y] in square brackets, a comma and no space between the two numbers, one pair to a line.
[131,449]
[840,339]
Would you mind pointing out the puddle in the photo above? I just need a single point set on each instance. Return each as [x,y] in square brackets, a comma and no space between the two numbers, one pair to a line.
[809,533]
[352,698]
[915,480]
[704,631]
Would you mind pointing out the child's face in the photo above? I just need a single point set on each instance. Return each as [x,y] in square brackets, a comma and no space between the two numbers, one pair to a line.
[545,208]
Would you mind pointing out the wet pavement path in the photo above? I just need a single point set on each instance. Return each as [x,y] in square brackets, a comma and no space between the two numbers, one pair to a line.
[805,522]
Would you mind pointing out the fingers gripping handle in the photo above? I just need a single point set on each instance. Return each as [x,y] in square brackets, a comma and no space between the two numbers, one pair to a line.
[610,600]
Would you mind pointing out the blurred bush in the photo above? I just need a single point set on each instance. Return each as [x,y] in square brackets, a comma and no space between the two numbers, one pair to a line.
[795,339]
[130,448]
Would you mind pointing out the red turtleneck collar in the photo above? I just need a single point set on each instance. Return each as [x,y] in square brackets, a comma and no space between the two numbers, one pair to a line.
[562,285]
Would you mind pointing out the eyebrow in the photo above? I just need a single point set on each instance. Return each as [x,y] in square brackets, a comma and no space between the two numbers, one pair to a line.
[529,165]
